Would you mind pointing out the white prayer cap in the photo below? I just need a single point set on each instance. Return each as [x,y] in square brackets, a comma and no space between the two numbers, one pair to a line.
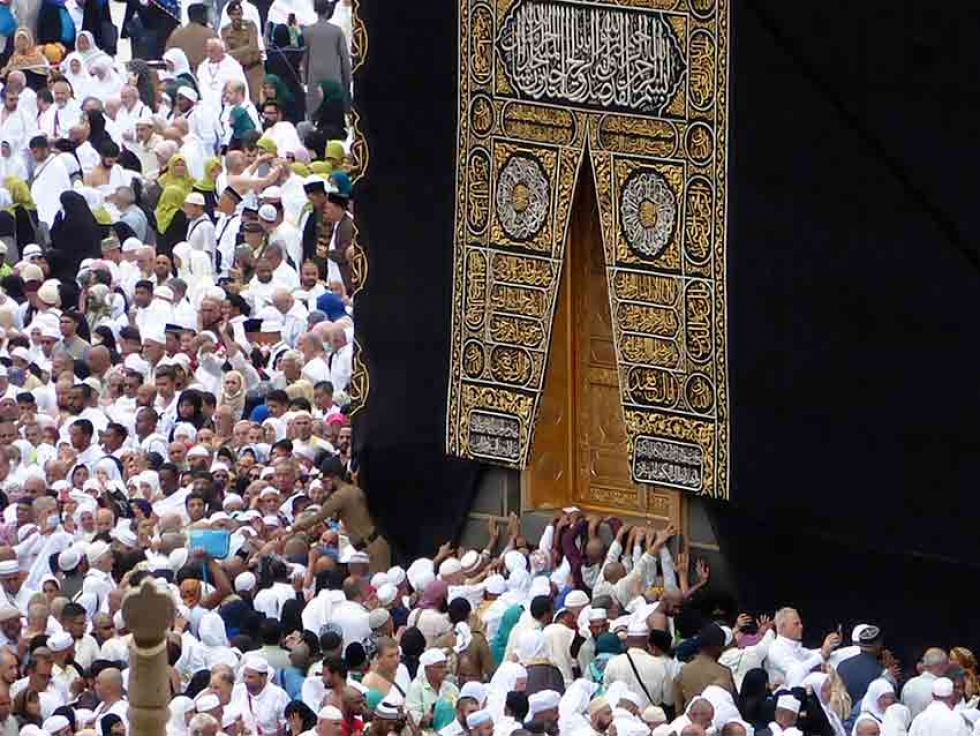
[942,688]
[330,713]
[96,550]
[386,594]
[378,618]
[420,573]
[396,576]
[131,245]
[48,293]
[219,516]
[470,561]
[164,292]
[449,567]
[359,558]
[496,585]
[268,213]
[244,582]
[654,714]
[125,536]
[540,586]
[630,697]
[273,193]
[788,702]
[271,520]
[136,363]
[206,701]
[198,451]
[54,724]
[378,579]
[32,250]
[385,709]
[514,560]
[576,599]
[8,568]
[269,491]
[598,614]
[257,663]
[542,701]
[60,641]
[637,629]
[153,333]
[21,353]
[431,657]
[231,500]
[475,690]
[187,92]
[478,718]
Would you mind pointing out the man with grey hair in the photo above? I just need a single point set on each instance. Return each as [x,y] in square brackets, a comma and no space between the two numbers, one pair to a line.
[787,654]
[217,69]
[184,313]
[293,315]
[203,725]
[917,693]
[17,81]
[130,214]
[235,94]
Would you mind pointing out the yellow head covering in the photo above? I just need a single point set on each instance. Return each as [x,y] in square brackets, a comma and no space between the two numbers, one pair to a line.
[171,200]
[301,169]
[322,168]
[184,183]
[206,183]
[20,193]
[267,145]
[335,155]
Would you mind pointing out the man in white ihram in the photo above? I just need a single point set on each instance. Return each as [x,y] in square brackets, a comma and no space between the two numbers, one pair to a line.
[917,693]
[261,704]
[788,659]
[939,719]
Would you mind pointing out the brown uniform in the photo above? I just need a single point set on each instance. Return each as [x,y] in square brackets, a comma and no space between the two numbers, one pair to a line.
[349,504]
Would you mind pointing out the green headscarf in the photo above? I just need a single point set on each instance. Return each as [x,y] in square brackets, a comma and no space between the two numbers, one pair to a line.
[283,95]
[498,647]
[241,123]
[206,183]
[170,202]
[443,713]
[184,183]
[102,216]
[300,169]
[20,193]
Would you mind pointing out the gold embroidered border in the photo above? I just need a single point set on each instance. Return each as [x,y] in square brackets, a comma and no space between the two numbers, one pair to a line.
[641,87]
[360,385]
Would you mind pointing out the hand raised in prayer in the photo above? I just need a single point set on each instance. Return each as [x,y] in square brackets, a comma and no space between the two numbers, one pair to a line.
[445,550]
[664,535]
[830,643]
[765,623]
[743,620]
[513,524]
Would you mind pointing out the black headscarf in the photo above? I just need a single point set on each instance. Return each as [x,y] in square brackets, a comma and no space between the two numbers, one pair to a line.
[75,236]
[413,644]
[97,135]
[752,700]
[107,722]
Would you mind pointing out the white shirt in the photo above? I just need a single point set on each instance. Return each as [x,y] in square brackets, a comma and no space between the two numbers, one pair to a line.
[785,654]
[653,672]
[939,720]
[262,714]
[352,618]
[201,235]
[271,600]
[917,693]
[212,76]
[55,122]
[50,180]
[17,128]
[341,367]
[740,661]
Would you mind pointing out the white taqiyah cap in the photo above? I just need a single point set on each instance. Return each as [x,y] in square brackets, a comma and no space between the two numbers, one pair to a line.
[244,582]
[431,657]
[576,599]
[330,713]
[942,688]
[788,702]
[450,566]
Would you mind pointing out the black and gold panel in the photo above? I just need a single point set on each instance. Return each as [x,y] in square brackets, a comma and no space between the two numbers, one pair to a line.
[640,88]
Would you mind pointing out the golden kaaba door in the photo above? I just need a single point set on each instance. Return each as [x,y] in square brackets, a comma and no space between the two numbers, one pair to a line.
[579,455]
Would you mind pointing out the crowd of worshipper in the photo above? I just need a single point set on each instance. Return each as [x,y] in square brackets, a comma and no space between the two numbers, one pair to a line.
[176,349]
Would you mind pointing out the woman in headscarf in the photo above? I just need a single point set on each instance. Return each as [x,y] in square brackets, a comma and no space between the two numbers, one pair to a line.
[329,119]
[207,184]
[177,175]
[180,67]
[96,122]
[11,163]
[966,659]
[241,123]
[507,623]
[76,74]
[879,696]
[430,616]
[24,210]
[241,39]
[179,707]
[754,701]
[211,631]
[144,79]
[897,720]
[274,88]
[510,677]
[821,719]
[171,222]
[190,408]
[26,54]
[284,61]
[232,393]
[104,82]
[412,646]
[75,236]
[866,725]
